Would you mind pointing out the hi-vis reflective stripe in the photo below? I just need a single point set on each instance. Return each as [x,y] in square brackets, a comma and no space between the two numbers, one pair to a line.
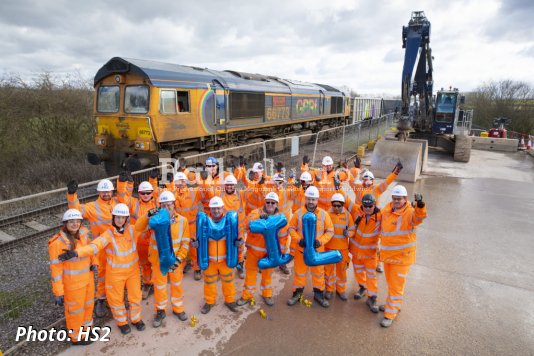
[372,234]
[399,247]
[58,278]
[397,233]
[116,247]
[122,265]
[75,271]
[135,215]
[339,237]
[54,262]
[256,248]
[100,220]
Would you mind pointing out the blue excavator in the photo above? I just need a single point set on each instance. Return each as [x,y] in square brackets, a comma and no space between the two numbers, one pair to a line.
[439,119]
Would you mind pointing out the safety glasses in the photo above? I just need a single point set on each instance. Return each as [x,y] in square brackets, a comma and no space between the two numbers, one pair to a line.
[368,206]
[209,166]
[270,202]
[337,205]
[145,193]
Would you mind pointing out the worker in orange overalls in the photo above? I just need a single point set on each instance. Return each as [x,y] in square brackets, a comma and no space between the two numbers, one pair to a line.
[217,265]
[73,281]
[256,250]
[98,214]
[297,194]
[398,246]
[211,179]
[119,244]
[324,232]
[139,207]
[363,248]
[336,274]
[179,232]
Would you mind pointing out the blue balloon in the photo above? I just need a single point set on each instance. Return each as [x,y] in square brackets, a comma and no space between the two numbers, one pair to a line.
[227,227]
[161,224]
[311,256]
[269,228]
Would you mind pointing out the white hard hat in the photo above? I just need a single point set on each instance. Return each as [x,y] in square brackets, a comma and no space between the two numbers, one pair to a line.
[312,192]
[278,176]
[272,196]
[72,214]
[257,167]
[328,161]
[306,176]
[368,175]
[180,175]
[166,197]
[338,197]
[121,210]
[105,185]
[145,187]
[399,191]
[216,202]
[230,179]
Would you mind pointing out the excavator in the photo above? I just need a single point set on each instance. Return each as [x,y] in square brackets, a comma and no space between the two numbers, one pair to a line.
[439,120]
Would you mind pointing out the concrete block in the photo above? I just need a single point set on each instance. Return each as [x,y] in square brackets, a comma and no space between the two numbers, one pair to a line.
[387,153]
[36,225]
[6,237]
[494,144]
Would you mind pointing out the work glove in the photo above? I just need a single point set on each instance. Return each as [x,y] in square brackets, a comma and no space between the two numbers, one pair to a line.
[154,173]
[238,242]
[152,212]
[302,243]
[305,159]
[357,162]
[242,161]
[346,232]
[279,167]
[344,164]
[318,177]
[398,168]
[60,300]
[123,176]
[264,216]
[316,243]
[194,243]
[262,180]
[67,255]
[72,186]
[358,220]
[297,184]
[337,182]
[203,175]
[130,177]
[181,165]
[376,210]
[251,175]
[175,265]
[419,200]
[94,268]
[170,177]
[292,173]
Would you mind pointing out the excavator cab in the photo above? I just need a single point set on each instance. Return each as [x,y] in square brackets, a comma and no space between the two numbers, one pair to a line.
[446,111]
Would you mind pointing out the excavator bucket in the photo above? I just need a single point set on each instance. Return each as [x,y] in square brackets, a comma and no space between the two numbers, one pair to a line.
[412,154]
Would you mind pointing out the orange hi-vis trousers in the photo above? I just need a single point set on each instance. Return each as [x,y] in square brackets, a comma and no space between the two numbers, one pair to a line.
[365,273]
[396,278]
[160,288]
[115,284]
[79,304]
[336,273]
[251,269]
[143,246]
[300,269]
[210,279]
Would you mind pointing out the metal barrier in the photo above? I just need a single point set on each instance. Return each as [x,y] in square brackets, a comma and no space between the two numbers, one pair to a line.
[29,222]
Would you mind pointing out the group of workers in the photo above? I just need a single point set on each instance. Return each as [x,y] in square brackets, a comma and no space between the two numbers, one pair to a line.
[121,247]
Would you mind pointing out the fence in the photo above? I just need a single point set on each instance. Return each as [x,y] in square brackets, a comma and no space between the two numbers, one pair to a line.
[27,223]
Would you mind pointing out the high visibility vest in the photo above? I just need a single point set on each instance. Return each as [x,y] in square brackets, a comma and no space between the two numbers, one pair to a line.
[341,222]
[365,242]
[256,242]
[324,229]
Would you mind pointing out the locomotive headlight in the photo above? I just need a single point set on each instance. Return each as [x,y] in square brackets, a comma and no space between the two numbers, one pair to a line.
[101,141]
[142,146]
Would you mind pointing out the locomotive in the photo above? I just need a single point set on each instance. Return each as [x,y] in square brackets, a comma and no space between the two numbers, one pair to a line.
[146,110]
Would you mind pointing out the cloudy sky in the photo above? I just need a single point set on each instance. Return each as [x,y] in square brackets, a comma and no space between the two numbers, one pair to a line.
[339,42]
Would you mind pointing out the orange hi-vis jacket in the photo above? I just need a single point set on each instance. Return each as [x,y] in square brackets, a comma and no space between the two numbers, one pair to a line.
[179,234]
[341,222]
[323,232]
[97,213]
[365,243]
[256,243]
[255,192]
[74,273]
[211,184]
[187,201]
[137,206]
[398,236]
[121,250]
[375,190]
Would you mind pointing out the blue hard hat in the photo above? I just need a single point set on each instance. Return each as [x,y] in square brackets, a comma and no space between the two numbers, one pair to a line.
[211,161]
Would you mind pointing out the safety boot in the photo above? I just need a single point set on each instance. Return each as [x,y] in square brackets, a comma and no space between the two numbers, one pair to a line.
[342,296]
[198,275]
[160,315]
[232,306]
[269,301]
[360,293]
[383,308]
[100,308]
[181,315]
[371,303]
[284,269]
[206,308]
[318,295]
[386,323]
[125,329]
[328,294]
[140,325]
[240,270]
[187,267]
[297,294]
[148,289]
[241,301]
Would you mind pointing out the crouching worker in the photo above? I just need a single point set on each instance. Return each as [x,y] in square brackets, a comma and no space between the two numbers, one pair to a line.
[179,229]
[122,267]
[73,282]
